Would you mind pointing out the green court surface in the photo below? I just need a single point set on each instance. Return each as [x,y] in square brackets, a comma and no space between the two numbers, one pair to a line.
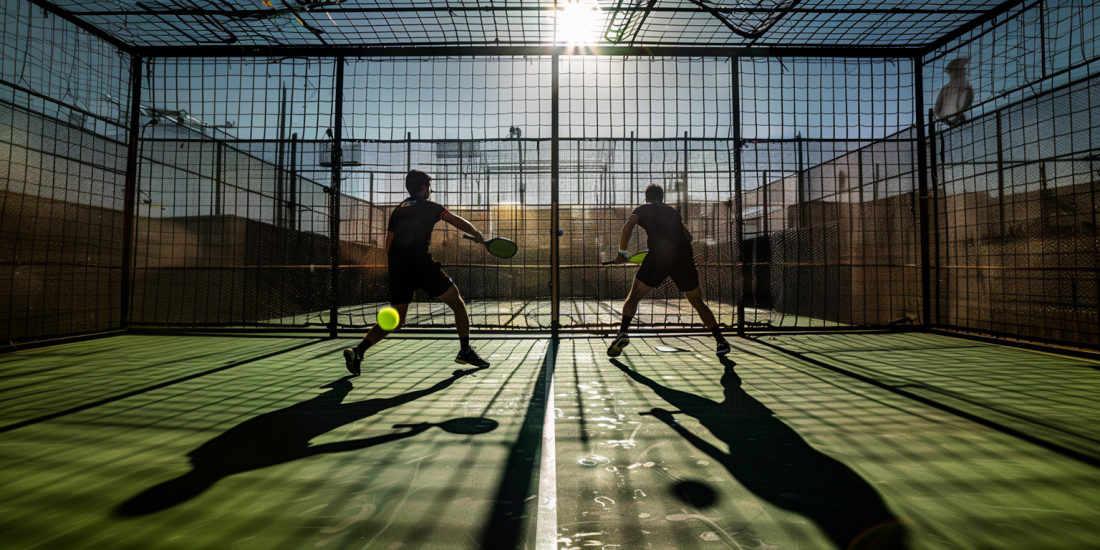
[577,313]
[797,441]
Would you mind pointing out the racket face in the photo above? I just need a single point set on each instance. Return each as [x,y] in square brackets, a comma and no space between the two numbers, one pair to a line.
[502,248]
[468,426]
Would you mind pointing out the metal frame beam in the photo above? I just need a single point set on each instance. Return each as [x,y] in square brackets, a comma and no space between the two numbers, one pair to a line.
[262,13]
[922,195]
[555,157]
[471,50]
[85,26]
[334,198]
[129,199]
[971,25]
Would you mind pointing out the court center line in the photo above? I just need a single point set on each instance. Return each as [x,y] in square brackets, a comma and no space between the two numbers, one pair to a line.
[546,524]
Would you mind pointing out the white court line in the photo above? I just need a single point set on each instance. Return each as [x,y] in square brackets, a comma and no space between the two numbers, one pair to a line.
[546,524]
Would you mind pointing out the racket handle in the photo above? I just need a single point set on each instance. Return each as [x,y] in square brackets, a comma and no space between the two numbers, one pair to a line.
[465,236]
[609,262]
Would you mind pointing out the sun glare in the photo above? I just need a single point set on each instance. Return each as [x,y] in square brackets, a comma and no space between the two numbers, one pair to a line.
[578,22]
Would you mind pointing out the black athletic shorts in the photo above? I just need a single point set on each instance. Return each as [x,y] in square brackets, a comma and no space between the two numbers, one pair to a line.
[406,277]
[681,267]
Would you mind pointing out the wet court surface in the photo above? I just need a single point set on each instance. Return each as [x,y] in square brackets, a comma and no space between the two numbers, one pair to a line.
[800,441]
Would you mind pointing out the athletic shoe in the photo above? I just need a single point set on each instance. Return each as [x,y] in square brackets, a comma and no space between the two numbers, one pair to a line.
[723,348]
[470,357]
[616,349]
[352,360]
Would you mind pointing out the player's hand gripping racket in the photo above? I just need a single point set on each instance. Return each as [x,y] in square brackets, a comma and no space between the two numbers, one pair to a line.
[635,259]
[499,247]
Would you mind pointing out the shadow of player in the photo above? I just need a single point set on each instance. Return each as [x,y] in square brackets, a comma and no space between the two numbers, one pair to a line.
[770,459]
[277,437]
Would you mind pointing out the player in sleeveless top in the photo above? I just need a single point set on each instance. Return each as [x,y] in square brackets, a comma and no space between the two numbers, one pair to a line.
[412,267]
[670,255]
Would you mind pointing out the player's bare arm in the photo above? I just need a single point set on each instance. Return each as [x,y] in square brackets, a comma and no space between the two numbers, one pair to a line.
[624,238]
[462,225]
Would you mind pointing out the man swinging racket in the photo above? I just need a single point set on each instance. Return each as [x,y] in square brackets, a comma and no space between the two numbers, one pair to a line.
[411,266]
[670,254]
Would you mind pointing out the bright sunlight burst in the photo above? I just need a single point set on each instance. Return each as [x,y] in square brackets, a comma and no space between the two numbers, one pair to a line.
[579,22]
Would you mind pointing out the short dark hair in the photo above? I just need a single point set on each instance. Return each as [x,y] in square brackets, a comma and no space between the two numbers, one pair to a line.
[415,180]
[654,193]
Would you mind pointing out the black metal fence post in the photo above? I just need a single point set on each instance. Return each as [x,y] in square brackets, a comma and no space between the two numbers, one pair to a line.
[130,189]
[554,226]
[935,224]
[1000,177]
[738,204]
[292,192]
[922,193]
[334,190]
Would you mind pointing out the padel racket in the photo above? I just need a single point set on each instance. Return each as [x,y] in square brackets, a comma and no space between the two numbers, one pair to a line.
[635,259]
[499,247]
[462,426]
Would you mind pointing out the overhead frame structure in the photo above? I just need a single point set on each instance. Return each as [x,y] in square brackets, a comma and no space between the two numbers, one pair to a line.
[340,27]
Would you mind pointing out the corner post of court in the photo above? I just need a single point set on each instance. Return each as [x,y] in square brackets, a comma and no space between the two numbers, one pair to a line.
[922,193]
[129,204]
[554,158]
[334,190]
[934,229]
[738,201]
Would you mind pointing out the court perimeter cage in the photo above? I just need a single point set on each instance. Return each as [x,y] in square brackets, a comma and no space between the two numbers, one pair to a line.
[179,165]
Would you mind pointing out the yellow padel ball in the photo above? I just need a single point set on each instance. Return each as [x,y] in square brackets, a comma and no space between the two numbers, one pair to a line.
[388,318]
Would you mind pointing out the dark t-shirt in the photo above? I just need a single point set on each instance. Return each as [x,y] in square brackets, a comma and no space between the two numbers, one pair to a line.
[412,223]
[664,229]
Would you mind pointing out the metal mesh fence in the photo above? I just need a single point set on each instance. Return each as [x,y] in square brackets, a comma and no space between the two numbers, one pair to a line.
[63,105]
[1017,234]
[832,242]
[1014,180]
[263,186]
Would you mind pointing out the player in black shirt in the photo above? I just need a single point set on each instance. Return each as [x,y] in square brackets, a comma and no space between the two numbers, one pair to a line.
[669,255]
[411,266]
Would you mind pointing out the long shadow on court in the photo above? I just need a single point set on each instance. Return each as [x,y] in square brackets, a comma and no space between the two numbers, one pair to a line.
[511,523]
[283,436]
[770,459]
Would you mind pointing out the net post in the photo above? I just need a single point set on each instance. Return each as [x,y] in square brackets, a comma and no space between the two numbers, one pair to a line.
[738,201]
[922,184]
[554,172]
[130,198]
[334,190]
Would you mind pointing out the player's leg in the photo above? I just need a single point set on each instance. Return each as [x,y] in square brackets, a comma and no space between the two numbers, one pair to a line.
[695,298]
[466,354]
[686,276]
[353,357]
[630,308]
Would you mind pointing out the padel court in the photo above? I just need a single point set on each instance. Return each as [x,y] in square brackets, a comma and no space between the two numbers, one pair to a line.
[888,211]
[800,441]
